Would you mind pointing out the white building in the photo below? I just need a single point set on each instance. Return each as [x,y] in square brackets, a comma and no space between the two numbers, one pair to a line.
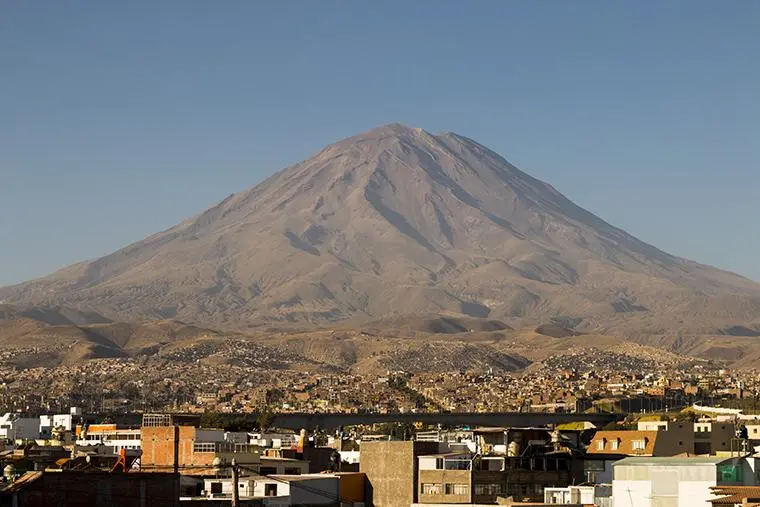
[677,482]
[273,440]
[280,490]
[313,489]
[600,496]
[65,421]
[109,435]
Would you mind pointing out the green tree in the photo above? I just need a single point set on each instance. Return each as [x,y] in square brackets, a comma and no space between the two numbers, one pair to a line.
[265,419]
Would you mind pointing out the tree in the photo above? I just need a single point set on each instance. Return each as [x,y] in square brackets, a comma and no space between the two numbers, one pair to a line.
[265,419]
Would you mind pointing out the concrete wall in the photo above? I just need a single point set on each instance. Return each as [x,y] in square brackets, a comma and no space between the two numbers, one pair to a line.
[677,439]
[663,486]
[26,428]
[391,469]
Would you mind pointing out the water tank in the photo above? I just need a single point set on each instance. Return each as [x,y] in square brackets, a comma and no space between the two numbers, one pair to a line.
[9,472]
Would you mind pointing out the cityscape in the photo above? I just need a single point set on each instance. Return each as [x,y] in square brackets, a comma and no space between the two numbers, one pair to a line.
[404,253]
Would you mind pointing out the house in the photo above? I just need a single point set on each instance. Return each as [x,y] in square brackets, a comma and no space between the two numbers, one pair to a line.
[677,482]
[643,443]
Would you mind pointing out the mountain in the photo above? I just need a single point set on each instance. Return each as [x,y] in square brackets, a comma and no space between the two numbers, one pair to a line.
[400,221]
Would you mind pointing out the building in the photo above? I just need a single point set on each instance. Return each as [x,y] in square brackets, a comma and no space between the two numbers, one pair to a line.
[14,427]
[600,496]
[92,489]
[643,443]
[714,437]
[516,462]
[597,467]
[273,465]
[678,434]
[311,489]
[458,477]
[110,435]
[677,482]
[274,440]
[391,469]
[166,443]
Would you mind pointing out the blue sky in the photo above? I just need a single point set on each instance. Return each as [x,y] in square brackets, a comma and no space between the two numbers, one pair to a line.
[119,119]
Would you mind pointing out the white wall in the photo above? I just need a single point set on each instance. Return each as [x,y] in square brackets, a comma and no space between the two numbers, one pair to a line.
[627,493]
[63,420]
[283,487]
[246,487]
[695,494]
[632,493]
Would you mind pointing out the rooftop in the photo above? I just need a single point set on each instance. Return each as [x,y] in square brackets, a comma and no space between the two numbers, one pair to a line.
[671,461]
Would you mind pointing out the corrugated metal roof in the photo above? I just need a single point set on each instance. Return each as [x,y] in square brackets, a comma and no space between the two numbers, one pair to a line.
[23,481]
[736,494]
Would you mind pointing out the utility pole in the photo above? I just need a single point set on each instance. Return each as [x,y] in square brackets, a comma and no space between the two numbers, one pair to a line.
[235,487]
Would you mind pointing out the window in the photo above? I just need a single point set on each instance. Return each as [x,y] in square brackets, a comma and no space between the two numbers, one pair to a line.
[639,445]
[615,444]
[488,489]
[431,489]
[600,445]
[204,447]
[270,489]
[216,488]
[456,489]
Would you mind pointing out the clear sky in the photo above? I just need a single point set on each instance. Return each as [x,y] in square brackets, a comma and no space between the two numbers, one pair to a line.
[119,119]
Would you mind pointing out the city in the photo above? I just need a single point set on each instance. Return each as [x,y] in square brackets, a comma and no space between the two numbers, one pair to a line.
[401,253]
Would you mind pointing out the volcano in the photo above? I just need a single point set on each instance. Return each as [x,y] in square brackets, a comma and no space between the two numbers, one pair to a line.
[400,221]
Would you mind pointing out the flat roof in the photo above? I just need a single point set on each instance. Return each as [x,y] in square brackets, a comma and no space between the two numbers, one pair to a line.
[278,458]
[671,461]
[303,477]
